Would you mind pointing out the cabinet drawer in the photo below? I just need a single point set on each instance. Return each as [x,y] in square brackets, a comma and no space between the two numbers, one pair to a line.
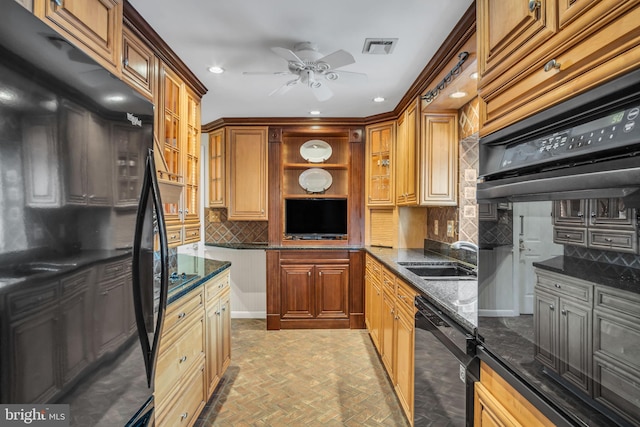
[179,352]
[190,400]
[174,235]
[620,241]
[216,285]
[618,300]
[76,283]
[192,234]
[373,266]
[32,300]
[116,268]
[182,311]
[561,285]
[405,296]
[388,282]
[572,236]
[617,337]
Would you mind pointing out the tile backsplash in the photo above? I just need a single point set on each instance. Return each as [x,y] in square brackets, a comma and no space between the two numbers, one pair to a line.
[226,231]
[607,257]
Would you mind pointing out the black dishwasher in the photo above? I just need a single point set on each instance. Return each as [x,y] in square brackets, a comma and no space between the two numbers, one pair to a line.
[442,384]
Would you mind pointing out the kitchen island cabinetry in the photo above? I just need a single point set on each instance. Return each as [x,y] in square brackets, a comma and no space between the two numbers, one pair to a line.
[315,288]
[218,329]
[94,25]
[533,55]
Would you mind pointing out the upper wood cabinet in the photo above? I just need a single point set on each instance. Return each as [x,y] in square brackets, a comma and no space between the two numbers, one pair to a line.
[247,192]
[407,165]
[94,25]
[139,64]
[379,168]
[439,159]
[217,179]
[533,59]
[179,133]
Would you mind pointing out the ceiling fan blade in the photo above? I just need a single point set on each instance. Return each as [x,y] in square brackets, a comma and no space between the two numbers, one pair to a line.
[322,92]
[346,76]
[285,87]
[267,73]
[337,59]
[287,54]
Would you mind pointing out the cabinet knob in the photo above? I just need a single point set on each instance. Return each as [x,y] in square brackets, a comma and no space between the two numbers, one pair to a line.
[557,285]
[224,308]
[533,5]
[551,307]
[183,359]
[181,315]
[567,236]
[58,3]
[92,196]
[184,416]
[309,273]
[608,239]
[580,215]
[564,312]
[125,62]
[553,64]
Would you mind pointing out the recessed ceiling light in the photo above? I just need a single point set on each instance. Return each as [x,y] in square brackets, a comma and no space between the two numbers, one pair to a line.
[216,70]
[378,99]
[458,94]
[114,98]
[474,76]
[314,112]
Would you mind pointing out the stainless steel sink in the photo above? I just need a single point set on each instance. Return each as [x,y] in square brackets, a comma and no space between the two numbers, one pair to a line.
[441,271]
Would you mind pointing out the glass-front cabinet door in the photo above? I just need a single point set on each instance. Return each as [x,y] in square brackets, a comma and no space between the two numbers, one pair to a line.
[570,213]
[172,140]
[380,168]
[610,213]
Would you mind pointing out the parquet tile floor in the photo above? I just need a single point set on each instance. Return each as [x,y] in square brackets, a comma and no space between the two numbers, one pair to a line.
[326,377]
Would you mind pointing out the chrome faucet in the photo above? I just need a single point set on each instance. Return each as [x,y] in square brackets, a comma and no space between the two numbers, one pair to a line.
[463,244]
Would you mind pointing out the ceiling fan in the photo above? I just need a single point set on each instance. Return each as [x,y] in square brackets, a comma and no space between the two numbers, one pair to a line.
[313,69]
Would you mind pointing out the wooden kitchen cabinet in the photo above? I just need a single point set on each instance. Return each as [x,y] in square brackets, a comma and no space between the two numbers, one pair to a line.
[497,403]
[380,160]
[180,389]
[139,64]
[407,156]
[180,126]
[217,329]
[129,162]
[217,174]
[93,25]
[563,327]
[439,155]
[40,158]
[247,178]
[373,299]
[530,61]
[404,346]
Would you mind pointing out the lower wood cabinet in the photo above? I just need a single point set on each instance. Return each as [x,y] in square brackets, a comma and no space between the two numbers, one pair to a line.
[195,351]
[314,289]
[391,323]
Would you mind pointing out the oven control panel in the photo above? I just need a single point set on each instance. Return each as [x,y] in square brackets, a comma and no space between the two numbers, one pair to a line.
[616,130]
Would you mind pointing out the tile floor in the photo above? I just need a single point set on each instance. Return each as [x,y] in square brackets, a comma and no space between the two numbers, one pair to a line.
[302,378]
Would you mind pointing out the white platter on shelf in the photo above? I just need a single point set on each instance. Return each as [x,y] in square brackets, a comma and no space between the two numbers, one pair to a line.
[315,180]
[315,151]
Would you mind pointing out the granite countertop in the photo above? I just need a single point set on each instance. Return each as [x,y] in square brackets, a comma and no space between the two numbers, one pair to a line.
[57,265]
[197,271]
[456,298]
[615,276]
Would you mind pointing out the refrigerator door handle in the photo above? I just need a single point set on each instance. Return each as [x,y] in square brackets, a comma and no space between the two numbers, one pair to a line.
[150,346]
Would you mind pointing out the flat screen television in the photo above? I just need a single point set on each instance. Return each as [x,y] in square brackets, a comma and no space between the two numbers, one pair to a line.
[315,218]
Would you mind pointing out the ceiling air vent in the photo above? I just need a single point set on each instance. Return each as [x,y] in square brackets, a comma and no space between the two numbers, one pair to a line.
[379,46]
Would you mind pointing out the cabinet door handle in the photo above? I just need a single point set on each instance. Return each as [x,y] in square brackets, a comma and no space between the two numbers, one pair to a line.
[533,5]
[181,315]
[184,416]
[553,64]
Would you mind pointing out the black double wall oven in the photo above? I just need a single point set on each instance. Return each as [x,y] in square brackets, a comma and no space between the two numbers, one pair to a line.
[559,270]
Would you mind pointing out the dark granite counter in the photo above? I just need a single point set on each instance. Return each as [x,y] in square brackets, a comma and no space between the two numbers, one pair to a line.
[615,276]
[52,266]
[196,272]
[456,298]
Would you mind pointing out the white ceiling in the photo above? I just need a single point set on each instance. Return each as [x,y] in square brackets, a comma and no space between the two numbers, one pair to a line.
[238,35]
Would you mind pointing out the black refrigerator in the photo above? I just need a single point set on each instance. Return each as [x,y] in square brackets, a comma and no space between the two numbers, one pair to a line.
[83,272]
